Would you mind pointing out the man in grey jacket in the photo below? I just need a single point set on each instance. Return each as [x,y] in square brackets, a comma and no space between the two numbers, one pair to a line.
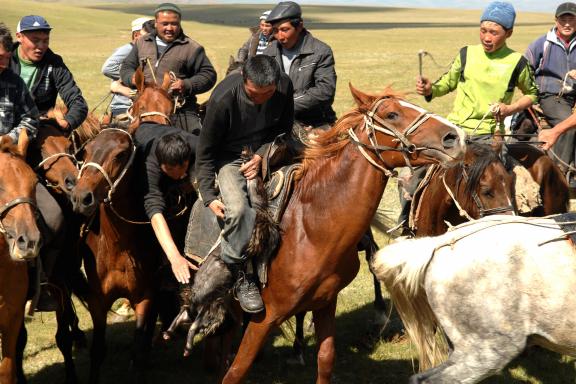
[111,68]
[308,62]
[168,49]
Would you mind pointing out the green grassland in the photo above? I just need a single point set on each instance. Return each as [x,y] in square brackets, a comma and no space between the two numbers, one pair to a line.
[373,47]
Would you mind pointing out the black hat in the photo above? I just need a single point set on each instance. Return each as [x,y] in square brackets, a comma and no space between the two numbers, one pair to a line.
[566,8]
[284,10]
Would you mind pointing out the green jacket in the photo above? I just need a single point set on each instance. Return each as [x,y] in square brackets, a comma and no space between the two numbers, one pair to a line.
[485,81]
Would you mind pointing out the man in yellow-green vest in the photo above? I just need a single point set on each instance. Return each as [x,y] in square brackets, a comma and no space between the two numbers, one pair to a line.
[485,75]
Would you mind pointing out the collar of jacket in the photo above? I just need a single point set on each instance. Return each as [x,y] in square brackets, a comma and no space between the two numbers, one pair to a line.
[42,65]
[305,46]
[181,39]
[553,38]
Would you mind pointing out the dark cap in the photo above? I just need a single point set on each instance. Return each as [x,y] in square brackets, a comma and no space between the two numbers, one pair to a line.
[284,10]
[566,8]
[32,23]
[168,7]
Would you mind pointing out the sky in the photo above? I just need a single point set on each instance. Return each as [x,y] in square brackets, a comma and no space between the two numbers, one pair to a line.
[520,5]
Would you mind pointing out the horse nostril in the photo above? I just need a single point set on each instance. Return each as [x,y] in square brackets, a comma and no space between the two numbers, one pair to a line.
[22,242]
[449,140]
[88,199]
[70,182]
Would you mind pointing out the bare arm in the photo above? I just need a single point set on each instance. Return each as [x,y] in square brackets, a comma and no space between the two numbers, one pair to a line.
[180,266]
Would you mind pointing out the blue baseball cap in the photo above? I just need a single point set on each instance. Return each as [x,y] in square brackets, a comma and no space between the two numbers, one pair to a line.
[500,12]
[33,23]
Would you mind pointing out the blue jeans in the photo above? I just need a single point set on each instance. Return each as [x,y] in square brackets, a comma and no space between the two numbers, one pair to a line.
[239,214]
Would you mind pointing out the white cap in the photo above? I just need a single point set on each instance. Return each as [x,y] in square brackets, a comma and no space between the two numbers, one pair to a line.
[137,23]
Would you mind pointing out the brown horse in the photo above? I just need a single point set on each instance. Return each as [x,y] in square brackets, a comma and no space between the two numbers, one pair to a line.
[122,256]
[477,187]
[20,241]
[344,174]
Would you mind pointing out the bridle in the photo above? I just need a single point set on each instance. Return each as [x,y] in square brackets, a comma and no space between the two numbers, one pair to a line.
[111,184]
[482,211]
[374,123]
[11,204]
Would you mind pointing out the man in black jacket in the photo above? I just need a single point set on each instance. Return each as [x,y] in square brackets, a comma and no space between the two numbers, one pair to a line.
[168,49]
[245,110]
[309,63]
[45,73]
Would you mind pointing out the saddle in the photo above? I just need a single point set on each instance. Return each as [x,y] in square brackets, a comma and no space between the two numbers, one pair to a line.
[204,227]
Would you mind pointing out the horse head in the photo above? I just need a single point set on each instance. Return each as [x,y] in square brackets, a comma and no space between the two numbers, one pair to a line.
[56,161]
[18,200]
[154,102]
[407,133]
[107,158]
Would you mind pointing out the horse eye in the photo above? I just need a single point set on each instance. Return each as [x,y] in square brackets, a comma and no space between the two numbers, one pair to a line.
[392,116]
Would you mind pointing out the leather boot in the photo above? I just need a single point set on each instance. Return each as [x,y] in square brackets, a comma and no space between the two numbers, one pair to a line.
[246,290]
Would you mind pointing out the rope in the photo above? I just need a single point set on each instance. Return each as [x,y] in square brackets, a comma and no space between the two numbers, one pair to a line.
[492,109]
[108,95]
[461,210]
[151,70]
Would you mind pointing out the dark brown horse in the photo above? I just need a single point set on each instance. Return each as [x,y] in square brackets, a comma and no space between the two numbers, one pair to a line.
[477,187]
[20,241]
[344,174]
[122,256]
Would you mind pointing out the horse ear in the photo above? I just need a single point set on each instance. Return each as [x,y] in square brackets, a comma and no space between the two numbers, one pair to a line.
[497,142]
[359,97]
[231,61]
[166,81]
[139,80]
[5,143]
[23,141]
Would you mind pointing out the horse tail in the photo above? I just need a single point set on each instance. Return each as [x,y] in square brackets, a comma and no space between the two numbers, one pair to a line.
[403,271]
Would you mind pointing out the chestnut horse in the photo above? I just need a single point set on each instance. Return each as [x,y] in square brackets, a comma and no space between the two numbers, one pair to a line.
[477,187]
[122,256]
[20,241]
[344,174]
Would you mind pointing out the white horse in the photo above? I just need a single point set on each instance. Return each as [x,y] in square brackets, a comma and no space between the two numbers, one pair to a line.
[492,286]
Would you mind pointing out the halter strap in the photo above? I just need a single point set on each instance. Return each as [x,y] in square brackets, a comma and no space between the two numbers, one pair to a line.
[11,204]
[56,156]
[156,113]
[99,167]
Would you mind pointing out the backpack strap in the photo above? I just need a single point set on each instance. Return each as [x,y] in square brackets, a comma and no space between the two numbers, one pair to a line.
[520,65]
[463,54]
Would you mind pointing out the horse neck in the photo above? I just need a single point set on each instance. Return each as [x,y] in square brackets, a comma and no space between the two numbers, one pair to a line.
[345,186]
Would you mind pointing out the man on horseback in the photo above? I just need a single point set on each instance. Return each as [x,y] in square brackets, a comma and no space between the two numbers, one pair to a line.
[45,73]
[168,49]
[245,110]
[121,101]
[552,57]
[308,61]
[260,39]
[484,77]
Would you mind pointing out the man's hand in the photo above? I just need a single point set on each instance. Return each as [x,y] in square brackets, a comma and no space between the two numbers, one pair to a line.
[218,208]
[423,86]
[549,137]
[572,73]
[181,268]
[177,86]
[251,168]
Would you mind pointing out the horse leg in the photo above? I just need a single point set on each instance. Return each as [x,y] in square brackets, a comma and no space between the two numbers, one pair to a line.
[252,341]
[325,326]
[481,357]
[65,318]
[21,341]
[142,337]
[98,349]
[298,346]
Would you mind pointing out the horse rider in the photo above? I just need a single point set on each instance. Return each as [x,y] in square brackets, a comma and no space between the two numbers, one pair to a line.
[121,99]
[308,62]
[482,101]
[261,37]
[552,57]
[19,111]
[168,49]
[245,110]
[45,73]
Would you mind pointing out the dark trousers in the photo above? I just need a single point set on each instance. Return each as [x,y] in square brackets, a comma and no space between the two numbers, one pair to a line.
[52,227]
[557,109]
[187,120]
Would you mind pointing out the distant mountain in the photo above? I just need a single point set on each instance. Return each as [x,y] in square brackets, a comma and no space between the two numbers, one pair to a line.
[520,5]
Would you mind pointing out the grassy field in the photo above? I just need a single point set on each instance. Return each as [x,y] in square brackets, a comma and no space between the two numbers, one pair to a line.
[373,47]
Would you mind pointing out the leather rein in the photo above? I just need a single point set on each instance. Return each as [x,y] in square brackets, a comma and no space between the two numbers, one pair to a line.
[11,204]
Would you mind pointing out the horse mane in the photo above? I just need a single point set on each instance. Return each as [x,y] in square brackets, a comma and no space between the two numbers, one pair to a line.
[329,143]
[482,155]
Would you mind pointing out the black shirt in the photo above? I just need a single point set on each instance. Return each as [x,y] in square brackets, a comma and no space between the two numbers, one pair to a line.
[233,121]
